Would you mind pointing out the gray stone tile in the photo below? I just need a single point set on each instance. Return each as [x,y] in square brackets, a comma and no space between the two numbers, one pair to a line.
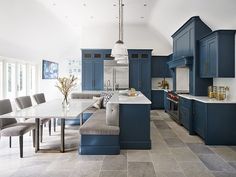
[214,163]
[184,154]
[85,168]
[138,156]
[170,174]
[161,124]
[141,169]
[200,148]
[174,142]
[224,174]
[233,164]
[233,148]
[115,162]
[225,152]
[167,133]
[113,174]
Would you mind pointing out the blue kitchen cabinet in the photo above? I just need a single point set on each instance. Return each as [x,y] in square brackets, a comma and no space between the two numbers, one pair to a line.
[166,102]
[186,54]
[157,99]
[92,68]
[185,114]
[140,71]
[217,54]
[200,118]
[160,67]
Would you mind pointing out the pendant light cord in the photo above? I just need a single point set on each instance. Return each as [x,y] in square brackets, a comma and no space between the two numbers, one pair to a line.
[120,20]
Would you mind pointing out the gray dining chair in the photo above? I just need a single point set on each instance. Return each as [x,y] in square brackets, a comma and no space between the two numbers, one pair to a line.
[25,102]
[10,127]
[39,99]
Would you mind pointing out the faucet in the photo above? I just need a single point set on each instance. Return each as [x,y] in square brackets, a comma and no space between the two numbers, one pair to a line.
[108,84]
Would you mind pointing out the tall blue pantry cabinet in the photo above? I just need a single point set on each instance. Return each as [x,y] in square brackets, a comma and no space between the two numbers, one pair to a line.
[140,70]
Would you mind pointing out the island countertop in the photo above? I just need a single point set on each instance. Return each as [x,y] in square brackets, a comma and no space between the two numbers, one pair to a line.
[123,99]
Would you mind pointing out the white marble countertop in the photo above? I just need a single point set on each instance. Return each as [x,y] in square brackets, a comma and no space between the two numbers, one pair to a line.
[53,109]
[123,99]
[205,99]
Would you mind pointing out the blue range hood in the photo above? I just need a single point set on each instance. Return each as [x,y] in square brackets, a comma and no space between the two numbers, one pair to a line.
[184,61]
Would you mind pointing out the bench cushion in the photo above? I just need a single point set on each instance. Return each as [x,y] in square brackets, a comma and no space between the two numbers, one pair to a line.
[112,114]
[96,125]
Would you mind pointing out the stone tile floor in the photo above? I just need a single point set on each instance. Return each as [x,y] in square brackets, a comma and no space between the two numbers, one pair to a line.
[174,153]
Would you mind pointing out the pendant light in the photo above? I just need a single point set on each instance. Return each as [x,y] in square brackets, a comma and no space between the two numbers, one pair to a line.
[119,51]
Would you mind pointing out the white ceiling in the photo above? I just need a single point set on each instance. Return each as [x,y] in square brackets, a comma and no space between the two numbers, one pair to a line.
[39,28]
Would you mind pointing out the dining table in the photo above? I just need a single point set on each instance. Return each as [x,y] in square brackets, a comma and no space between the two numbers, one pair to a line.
[53,109]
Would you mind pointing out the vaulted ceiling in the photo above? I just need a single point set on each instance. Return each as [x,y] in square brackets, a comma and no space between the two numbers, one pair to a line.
[58,28]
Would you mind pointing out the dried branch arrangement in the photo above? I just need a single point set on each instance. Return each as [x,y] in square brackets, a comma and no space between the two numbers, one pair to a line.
[65,85]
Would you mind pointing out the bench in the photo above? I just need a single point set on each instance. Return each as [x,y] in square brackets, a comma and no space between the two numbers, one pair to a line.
[100,133]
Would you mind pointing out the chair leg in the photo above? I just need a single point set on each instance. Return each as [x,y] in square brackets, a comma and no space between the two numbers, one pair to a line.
[49,127]
[41,133]
[54,124]
[21,145]
[34,137]
[9,141]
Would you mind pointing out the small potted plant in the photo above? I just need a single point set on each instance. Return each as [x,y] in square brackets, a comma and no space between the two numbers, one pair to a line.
[65,86]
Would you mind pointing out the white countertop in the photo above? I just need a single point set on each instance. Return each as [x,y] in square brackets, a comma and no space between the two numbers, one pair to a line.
[205,99]
[123,99]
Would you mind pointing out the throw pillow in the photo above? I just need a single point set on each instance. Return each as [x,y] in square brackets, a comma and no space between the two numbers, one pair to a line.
[106,97]
[98,103]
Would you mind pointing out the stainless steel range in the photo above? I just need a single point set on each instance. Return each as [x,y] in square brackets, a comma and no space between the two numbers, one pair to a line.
[173,105]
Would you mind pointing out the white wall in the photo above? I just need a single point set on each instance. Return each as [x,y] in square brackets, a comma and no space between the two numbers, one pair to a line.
[231,82]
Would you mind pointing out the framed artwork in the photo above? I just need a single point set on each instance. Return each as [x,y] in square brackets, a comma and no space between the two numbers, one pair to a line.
[49,70]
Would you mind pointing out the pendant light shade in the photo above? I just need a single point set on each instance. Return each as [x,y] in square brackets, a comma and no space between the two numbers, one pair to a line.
[119,51]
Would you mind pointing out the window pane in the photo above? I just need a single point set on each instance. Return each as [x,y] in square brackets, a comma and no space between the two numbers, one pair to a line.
[1,80]
[10,80]
[21,80]
[32,79]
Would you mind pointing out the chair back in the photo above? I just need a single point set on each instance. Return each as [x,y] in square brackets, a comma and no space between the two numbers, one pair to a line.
[5,107]
[39,98]
[23,102]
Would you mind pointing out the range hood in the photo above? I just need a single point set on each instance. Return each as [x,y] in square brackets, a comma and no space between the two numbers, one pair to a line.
[113,63]
[184,61]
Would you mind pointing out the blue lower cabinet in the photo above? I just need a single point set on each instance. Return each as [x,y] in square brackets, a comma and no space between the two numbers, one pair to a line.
[157,99]
[185,114]
[135,126]
[166,102]
[200,118]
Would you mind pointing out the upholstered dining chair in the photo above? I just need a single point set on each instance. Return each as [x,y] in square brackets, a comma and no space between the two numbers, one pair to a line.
[25,102]
[10,127]
[39,99]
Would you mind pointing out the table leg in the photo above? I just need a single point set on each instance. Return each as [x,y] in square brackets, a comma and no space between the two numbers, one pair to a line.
[62,135]
[37,135]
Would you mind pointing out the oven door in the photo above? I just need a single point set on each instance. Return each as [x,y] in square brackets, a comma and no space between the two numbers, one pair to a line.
[174,109]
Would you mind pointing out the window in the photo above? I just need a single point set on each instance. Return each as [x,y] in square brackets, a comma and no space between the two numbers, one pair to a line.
[17,78]
[1,80]
[10,80]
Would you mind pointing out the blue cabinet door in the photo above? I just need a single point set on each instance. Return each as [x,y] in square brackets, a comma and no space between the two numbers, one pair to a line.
[134,73]
[159,66]
[157,99]
[204,70]
[200,118]
[87,75]
[212,56]
[98,75]
[145,75]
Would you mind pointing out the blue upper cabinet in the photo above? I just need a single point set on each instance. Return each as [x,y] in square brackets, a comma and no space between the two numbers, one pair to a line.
[217,54]
[185,47]
[92,68]
[140,71]
[160,67]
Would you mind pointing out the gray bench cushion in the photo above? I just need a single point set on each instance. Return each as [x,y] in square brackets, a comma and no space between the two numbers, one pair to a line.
[112,114]
[96,125]
[84,95]
[17,129]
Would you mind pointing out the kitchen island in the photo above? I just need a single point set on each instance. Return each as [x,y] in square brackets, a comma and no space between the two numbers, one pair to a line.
[134,120]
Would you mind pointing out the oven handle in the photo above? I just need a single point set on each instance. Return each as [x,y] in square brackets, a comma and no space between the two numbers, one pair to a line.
[176,102]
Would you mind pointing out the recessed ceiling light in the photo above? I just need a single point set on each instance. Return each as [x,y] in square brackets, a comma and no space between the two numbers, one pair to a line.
[142,17]
[84,5]
[66,16]
[54,4]
[145,4]
[114,4]
[91,17]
